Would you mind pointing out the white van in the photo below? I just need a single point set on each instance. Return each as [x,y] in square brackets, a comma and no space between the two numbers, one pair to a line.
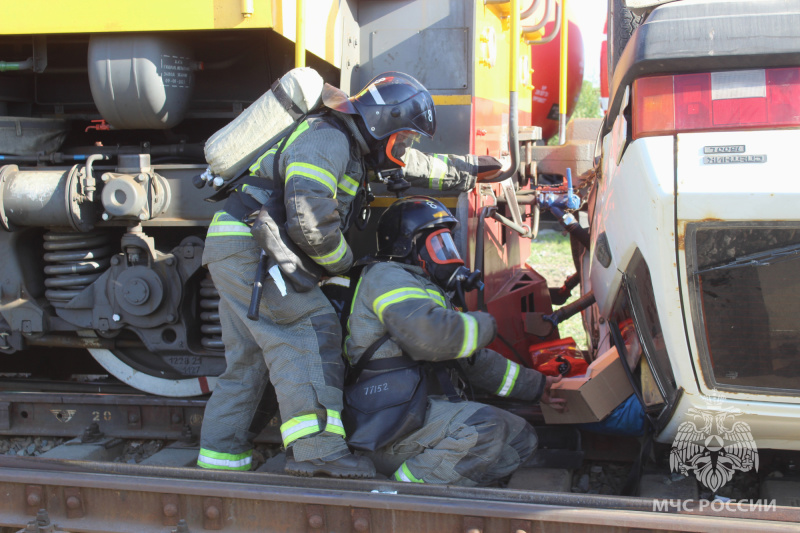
[695,220]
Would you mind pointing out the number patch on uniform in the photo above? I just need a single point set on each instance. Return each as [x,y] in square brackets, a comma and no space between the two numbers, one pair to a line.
[374,389]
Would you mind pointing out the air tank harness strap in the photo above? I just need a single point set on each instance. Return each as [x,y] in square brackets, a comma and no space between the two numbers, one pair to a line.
[355,371]
[284,99]
[445,380]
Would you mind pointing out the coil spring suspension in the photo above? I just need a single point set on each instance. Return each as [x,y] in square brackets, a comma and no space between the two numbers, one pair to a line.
[209,315]
[78,259]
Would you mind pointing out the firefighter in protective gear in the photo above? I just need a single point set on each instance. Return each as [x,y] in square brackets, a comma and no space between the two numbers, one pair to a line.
[461,442]
[295,346]
[395,109]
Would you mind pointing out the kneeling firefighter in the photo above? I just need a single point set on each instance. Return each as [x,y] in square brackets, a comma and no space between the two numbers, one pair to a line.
[304,190]
[402,306]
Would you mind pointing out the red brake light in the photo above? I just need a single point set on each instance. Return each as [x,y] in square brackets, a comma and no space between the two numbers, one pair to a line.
[747,99]
[654,107]
[692,102]
[783,96]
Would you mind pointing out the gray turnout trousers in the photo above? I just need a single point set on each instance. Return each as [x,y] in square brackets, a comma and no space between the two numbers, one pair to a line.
[295,343]
[463,443]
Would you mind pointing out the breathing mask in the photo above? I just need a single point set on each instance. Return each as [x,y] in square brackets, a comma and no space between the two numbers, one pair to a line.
[439,257]
[388,153]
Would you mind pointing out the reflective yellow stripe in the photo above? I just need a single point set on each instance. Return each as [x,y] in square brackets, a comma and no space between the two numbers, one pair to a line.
[224,224]
[300,129]
[340,281]
[225,231]
[400,295]
[438,171]
[470,336]
[313,172]
[437,296]
[404,474]
[299,426]
[255,167]
[348,185]
[509,379]
[334,423]
[334,256]
[225,461]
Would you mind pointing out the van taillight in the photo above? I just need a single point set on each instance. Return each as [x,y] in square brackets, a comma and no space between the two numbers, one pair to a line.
[742,99]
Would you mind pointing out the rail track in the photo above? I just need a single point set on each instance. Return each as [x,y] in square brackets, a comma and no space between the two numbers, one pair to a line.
[97,474]
[101,497]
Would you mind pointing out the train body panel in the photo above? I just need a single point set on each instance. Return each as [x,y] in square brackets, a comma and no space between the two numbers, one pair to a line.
[134,16]
[105,126]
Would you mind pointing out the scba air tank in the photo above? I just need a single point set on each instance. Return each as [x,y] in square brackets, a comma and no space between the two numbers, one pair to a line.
[140,81]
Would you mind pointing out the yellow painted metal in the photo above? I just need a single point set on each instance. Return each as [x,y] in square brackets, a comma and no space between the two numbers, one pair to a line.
[452,99]
[322,24]
[562,78]
[533,35]
[513,80]
[93,16]
[450,202]
[492,81]
[322,27]
[300,41]
[501,10]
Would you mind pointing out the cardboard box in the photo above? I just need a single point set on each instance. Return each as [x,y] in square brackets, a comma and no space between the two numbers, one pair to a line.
[590,398]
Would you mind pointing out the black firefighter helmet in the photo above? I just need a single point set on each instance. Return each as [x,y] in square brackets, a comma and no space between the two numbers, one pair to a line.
[407,217]
[391,102]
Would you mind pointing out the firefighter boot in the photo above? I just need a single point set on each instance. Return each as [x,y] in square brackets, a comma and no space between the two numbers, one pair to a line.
[344,466]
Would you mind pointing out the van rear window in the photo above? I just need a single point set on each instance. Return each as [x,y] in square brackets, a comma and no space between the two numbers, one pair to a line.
[746,302]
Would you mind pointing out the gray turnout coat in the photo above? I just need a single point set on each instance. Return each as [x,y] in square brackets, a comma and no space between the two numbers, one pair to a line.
[464,443]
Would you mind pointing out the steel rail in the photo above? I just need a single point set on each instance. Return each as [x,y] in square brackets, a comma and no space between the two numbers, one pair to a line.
[379,496]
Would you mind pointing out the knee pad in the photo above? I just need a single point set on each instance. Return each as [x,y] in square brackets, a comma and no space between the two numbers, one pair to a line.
[492,432]
[525,441]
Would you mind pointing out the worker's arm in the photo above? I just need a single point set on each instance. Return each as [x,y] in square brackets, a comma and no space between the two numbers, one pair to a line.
[493,373]
[444,172]
[417,316]
[312,165]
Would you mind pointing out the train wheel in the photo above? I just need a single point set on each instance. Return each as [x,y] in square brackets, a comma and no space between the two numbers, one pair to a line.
[121,367]
[174,374]
[178,375]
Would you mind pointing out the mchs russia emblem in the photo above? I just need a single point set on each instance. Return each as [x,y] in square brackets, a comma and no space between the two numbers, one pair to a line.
[713,445]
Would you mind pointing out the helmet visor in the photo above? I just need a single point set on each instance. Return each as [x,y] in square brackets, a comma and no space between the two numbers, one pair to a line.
[405,139]
[424,120]
[442,248]
[398,143]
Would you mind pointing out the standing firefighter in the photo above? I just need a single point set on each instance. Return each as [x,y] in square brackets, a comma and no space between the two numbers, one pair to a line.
[306,196]
[456,442]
